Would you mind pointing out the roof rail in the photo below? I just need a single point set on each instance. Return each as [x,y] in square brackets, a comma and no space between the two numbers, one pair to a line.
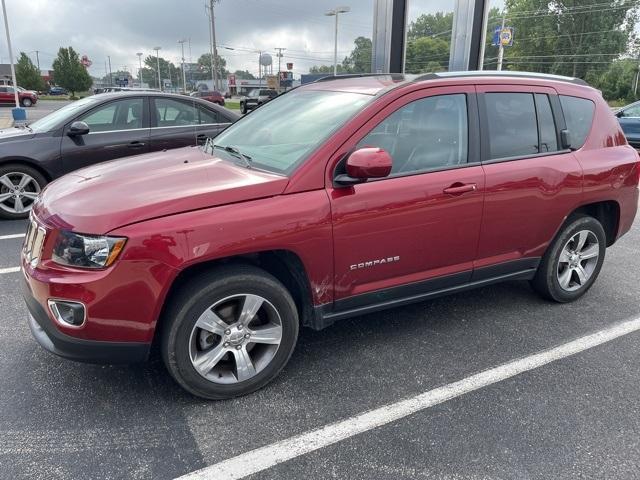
[357,75]
[501,73]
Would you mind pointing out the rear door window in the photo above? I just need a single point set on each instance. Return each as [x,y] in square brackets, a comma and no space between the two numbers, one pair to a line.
[512,125]
[578,114]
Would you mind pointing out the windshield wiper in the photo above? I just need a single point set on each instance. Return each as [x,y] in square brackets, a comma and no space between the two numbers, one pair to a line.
[236,153]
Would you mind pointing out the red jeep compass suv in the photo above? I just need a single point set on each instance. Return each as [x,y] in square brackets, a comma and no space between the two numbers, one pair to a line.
[339,198]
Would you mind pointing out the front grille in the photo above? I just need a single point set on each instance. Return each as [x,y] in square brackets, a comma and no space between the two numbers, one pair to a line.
[33,243]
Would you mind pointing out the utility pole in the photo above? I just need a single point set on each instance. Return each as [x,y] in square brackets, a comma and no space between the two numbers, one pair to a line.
[280,50]
[38,59]
[214,50]
[500,46]
[334,13]
[139,54]
[110,77]
[184,76]
[13,67]
[635,85]
[157,49]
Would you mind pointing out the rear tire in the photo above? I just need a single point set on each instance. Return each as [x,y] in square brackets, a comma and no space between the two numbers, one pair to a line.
[229,332]
[23,181]
[573,261]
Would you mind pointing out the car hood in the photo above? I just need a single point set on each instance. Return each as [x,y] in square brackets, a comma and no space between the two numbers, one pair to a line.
[101,198]
[13,133]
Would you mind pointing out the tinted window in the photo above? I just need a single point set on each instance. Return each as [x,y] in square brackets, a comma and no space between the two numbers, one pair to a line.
[632,112]
[209,116]
[119,115]
[546,124]
[578,114]
[424,135]
[172,113]
[513,130]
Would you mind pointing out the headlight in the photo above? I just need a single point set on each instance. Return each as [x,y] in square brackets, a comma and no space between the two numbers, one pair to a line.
[87,251]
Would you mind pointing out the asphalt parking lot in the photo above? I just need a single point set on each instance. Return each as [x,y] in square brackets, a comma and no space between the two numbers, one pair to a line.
[36,112]
[576,417]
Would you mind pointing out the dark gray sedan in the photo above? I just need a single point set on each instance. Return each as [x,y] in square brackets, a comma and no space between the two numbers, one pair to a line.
[95,129]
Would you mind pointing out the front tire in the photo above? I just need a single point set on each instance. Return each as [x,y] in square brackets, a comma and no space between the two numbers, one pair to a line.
[19,187]
[229,332]
[573,261]
[26,102]
[243,108]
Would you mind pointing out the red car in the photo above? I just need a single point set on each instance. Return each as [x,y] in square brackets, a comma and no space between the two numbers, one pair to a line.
[27,98]
[339,198]
[210,96]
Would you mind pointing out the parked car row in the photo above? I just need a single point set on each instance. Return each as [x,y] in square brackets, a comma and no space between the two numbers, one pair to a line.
[95,129]
[343,197]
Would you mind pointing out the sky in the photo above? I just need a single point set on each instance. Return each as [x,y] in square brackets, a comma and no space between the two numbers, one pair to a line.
[121,29]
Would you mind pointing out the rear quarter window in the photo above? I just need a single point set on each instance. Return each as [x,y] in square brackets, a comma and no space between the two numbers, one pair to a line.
[578,114]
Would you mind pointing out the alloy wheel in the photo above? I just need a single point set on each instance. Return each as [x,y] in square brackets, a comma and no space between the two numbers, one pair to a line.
[578,260]
[18,191]
[236,338]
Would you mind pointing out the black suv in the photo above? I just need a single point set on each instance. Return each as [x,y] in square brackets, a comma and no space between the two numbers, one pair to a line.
[256,98]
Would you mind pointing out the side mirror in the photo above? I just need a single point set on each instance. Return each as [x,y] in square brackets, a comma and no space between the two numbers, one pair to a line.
[565,138]
[78,129]
[620,113]
[363,164]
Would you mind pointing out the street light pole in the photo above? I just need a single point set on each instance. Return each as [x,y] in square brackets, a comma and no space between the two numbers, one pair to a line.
[214,50]
[184,76]
[139,54]
[157,49]
[110,76]
[334,13]
[13,67]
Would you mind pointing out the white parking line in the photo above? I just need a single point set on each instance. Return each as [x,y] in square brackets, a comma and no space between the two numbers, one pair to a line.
[270,455]
[9,270]
[15,235]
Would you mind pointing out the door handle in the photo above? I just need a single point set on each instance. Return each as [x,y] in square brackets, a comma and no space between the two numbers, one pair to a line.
[136,144]
[460,188]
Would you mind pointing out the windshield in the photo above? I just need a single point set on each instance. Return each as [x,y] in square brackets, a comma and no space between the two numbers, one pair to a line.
[279,135]
[46,124]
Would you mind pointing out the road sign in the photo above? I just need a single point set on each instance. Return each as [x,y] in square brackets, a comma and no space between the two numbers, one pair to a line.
[289,66]
[122,81]
[272,81]
[502,36]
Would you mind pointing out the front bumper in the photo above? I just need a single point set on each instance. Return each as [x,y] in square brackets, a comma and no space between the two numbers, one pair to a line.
[90,351]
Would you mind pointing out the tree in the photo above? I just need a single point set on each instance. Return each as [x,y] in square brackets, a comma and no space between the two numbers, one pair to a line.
[244,75]
[69,73]
[27,74]
[359,60]
[168,71]
[427,54]
[328,69]
[568,37]
[204,66]
[437,25]
[617,81]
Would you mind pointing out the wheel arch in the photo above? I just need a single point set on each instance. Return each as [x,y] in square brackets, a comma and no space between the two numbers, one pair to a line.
[607,212]
[284,265]
[29,162]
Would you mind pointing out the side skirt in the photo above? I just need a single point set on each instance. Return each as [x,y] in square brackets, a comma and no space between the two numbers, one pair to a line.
[325,315]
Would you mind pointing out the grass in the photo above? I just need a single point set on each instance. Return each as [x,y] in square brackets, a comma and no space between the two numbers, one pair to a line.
[232,104]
